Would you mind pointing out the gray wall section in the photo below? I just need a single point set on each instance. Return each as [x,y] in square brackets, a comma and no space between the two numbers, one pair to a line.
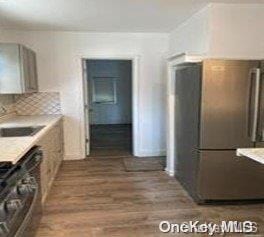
[121,112]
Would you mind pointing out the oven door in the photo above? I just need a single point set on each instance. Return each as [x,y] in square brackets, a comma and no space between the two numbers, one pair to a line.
[27,221]
[23,222]
[30,221]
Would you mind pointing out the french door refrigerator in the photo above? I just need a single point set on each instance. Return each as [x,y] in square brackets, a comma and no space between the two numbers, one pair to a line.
[219,108]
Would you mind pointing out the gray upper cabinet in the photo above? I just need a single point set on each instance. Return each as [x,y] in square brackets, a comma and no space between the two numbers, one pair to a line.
[18,69]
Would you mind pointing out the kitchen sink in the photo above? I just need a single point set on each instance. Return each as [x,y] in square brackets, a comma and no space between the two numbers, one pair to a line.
[20,131]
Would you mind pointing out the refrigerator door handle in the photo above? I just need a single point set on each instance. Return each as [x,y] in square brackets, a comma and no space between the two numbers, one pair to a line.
[254,131]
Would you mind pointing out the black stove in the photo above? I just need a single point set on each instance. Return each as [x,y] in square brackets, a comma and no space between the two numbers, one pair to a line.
[19,193]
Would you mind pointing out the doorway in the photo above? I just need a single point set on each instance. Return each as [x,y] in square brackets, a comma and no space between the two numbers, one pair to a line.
[110,102]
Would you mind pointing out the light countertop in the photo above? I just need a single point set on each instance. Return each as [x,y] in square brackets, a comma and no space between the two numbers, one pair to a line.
[256,154]
[12,149]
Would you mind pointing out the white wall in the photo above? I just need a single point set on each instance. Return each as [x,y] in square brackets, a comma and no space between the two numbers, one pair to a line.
[59,66]
[192,36]
[119,112]
[237,31]
[223,31]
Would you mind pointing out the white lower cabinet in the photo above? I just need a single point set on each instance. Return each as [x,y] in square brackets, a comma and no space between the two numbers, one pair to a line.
[52,147]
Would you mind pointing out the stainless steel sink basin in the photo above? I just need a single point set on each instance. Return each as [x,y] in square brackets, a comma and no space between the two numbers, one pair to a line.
[20,131]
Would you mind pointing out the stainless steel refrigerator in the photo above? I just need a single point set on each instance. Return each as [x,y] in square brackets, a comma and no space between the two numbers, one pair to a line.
[219,108]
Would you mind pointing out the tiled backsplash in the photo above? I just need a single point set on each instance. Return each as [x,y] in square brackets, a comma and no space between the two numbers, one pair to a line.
[38,103]
[31,104]
[6,105]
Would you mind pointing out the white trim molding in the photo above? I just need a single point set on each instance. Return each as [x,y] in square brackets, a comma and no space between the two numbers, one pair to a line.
[170,172]
[175,59]
[151,153]
[172,62]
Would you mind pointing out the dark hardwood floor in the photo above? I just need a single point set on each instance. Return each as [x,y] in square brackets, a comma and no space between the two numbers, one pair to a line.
[111,140]
[97,198]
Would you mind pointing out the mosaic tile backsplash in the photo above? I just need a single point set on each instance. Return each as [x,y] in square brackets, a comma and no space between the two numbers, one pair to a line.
[7,105]
[38,103]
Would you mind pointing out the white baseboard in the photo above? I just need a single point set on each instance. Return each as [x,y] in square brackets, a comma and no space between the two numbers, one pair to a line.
[73,157]
[143,153]
[148,153]
[170,172]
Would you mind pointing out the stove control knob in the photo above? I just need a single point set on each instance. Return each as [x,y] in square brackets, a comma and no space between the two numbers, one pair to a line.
[29,180]
[4,230]
[13,205]
[13,193]
[33,187]
[23,189]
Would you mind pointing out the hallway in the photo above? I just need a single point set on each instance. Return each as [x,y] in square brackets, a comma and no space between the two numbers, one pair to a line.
[111,140]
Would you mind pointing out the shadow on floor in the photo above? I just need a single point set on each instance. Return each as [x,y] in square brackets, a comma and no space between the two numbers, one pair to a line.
[111,140]
[139,164]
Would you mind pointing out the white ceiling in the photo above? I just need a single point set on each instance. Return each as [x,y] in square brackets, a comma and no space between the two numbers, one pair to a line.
[100,15]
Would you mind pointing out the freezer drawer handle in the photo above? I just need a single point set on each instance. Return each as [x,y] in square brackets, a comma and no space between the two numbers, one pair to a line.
[257,73]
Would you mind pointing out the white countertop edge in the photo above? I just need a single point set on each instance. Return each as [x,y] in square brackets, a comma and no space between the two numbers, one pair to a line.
[34,139]
[256,154]
[37,137]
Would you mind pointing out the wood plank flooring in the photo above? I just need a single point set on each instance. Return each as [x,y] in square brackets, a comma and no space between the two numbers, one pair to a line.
[97,198]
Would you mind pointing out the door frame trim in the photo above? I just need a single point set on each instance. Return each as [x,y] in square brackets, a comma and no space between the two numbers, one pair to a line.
[135,61]
[172,63]
[170,129]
